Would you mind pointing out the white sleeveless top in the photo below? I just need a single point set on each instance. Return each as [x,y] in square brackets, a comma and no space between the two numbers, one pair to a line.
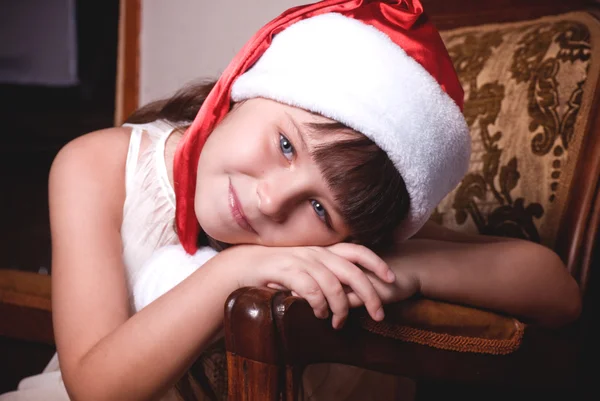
[149,209]
[154,259]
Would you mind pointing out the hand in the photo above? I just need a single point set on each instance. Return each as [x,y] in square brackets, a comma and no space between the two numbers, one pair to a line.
[406,284]
[317,274]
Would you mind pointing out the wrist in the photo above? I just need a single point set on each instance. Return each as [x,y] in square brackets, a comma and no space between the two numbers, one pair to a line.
[241,262]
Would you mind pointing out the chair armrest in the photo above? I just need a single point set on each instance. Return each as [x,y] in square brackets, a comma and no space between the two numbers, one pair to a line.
[420,338]
[25,306]
[446,326]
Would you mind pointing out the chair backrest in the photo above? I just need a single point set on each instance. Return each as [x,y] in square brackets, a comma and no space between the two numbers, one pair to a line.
[531,101]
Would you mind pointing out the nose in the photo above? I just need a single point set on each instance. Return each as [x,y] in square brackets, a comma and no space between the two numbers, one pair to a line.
[278,193]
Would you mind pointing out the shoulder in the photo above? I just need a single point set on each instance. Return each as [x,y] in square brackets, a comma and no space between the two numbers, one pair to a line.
[99,152]
[92,161]
[106,144]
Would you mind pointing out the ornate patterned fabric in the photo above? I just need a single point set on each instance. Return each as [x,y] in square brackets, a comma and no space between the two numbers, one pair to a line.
[528,90]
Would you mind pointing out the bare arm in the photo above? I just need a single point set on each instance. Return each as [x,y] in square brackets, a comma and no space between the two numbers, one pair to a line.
[516,277]
[105,354]
[434,231]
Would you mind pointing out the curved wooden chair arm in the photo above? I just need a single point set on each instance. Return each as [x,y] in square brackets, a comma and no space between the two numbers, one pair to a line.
[25,306]
[420,338]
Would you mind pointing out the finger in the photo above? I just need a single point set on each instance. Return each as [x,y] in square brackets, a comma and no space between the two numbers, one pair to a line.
[276,286]
[305,286]
[364,257]
[354,300]
[337,321]
[332,288]
[350,275]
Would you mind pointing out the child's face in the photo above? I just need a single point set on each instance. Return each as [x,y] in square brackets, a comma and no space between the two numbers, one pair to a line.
[257,183]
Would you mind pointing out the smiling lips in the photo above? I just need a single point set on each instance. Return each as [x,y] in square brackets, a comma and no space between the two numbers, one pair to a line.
[237,212]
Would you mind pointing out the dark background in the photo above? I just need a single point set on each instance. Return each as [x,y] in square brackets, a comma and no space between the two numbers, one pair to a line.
[36,121]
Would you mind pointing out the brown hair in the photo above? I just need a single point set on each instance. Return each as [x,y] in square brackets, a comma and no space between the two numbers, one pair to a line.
[371,194]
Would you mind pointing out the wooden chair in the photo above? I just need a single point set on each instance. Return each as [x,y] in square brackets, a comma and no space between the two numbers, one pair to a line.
[272,336]
[26,336]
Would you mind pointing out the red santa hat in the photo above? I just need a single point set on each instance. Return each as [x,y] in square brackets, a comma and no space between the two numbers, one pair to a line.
[379,67]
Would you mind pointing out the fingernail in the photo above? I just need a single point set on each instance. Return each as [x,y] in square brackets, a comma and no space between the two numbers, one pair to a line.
[391,276]
[379,315]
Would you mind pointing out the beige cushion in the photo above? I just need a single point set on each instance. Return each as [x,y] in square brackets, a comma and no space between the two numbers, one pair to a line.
[528,87]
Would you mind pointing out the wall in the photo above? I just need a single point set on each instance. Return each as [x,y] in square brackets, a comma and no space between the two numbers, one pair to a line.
[184,40]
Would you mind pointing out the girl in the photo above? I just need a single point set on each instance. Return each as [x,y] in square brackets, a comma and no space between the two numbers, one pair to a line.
[332,134]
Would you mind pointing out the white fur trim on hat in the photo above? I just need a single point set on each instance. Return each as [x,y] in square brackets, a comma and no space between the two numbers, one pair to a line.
[351,72]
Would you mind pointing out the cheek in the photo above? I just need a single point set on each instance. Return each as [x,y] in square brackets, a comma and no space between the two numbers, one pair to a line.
[304,229]
[237,154]
[209,185]
[201,200]
[251,159]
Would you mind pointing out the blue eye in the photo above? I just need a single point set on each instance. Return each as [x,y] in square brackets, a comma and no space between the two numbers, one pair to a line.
[319,209]
[286,147]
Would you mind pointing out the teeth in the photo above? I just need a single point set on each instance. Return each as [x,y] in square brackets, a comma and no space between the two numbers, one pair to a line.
[231,200]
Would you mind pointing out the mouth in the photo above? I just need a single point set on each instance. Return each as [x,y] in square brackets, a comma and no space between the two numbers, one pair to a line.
[237,212]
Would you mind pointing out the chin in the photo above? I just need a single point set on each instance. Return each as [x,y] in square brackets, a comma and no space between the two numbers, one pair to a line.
[220,228]
[216,232]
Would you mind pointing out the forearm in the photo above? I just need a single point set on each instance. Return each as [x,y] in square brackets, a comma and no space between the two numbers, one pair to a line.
[515,277]
[147,354]
[434,231]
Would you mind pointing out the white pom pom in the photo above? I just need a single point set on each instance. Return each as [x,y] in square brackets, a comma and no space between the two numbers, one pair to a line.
[167,267]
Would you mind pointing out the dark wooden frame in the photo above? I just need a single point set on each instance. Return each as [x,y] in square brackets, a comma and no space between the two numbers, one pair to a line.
[128,66]
[453,14]
[271,336]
